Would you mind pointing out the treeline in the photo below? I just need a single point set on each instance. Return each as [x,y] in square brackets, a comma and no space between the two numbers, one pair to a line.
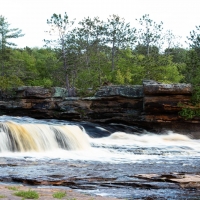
[95,52]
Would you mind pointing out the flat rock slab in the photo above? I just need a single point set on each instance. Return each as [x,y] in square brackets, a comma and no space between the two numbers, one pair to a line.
[7,193]
[135,91]
[184,180]
[154,88]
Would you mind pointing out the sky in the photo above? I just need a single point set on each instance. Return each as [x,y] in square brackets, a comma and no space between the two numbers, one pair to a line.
[180,16]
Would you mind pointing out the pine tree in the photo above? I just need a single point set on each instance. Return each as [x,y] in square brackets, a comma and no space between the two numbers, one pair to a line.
[6,36]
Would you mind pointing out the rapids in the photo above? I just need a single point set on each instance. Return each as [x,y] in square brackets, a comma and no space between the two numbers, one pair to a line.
[71,141]
[23,139]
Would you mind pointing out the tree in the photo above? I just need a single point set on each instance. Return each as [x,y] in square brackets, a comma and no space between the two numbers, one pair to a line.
[178,54]
[194,39]
[6,35]
[150,34]
[129,71]
[119,35]
[142,49]
[161,68]
[192,69]
[171,41]
[192,72]
[61,27]
[90,40]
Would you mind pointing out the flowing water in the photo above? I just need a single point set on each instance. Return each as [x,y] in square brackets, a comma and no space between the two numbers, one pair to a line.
[53,150]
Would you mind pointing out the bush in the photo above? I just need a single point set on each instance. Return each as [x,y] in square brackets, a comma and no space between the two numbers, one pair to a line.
[59,195]
[30,194]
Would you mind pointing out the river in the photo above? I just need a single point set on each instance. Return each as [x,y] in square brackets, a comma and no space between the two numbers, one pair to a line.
[108,160]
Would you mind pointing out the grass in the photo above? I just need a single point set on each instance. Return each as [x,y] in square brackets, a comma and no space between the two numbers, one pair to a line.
[2,196]
[30,194]
[12,188]
[59,195]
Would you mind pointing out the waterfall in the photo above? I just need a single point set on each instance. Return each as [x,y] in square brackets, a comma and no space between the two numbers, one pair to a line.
[16,137]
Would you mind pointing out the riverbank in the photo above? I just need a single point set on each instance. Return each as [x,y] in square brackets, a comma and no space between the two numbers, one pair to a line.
[7,192]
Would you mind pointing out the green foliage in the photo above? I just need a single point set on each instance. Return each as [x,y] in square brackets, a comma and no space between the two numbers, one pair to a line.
[61,26]
[59,195]
[192,69]
[45,82]
[178,54]
[188,113]
[2,196]
[150,34]
[192,75]
[6,34]
[12,188]
[30,194]
[119,35]
[9,82]
[194,39]
[142,49]
[97,52]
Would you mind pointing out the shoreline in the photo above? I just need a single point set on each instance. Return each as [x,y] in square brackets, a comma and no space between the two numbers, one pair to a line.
[46,193]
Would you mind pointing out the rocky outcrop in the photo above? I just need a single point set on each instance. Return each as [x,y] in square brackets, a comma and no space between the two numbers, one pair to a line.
[135,91]
[40,92]
[155,88]
[152,105]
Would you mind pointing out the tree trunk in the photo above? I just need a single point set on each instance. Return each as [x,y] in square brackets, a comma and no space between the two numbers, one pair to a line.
[65,68]
[113,55]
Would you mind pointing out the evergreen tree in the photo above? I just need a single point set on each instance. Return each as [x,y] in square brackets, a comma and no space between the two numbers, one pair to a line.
[61,27]
[6,36]
[119,35]
[150,34]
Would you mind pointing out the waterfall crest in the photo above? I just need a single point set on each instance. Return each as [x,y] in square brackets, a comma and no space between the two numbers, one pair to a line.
[16,137]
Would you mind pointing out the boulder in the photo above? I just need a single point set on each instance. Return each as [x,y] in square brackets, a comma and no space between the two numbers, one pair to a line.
[58,92]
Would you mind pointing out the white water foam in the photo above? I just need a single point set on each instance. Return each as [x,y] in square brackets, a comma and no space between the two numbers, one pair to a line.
[119,147]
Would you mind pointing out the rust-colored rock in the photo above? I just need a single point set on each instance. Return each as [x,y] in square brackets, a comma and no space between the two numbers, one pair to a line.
[164,104]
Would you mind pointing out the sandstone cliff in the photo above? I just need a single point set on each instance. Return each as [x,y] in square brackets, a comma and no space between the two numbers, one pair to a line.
[153,106]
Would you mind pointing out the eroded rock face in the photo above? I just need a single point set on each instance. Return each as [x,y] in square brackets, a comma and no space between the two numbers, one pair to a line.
[151,105]
[164,104]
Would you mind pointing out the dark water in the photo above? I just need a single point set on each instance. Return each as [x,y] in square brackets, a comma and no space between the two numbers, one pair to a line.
[103,159]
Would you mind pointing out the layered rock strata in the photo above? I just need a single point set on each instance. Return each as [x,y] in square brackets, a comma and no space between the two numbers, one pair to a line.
[152,105]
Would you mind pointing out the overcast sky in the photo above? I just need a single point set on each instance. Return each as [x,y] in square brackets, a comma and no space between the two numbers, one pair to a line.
[180,16]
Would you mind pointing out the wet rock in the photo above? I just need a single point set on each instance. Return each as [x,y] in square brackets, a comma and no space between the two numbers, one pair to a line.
[184,180]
